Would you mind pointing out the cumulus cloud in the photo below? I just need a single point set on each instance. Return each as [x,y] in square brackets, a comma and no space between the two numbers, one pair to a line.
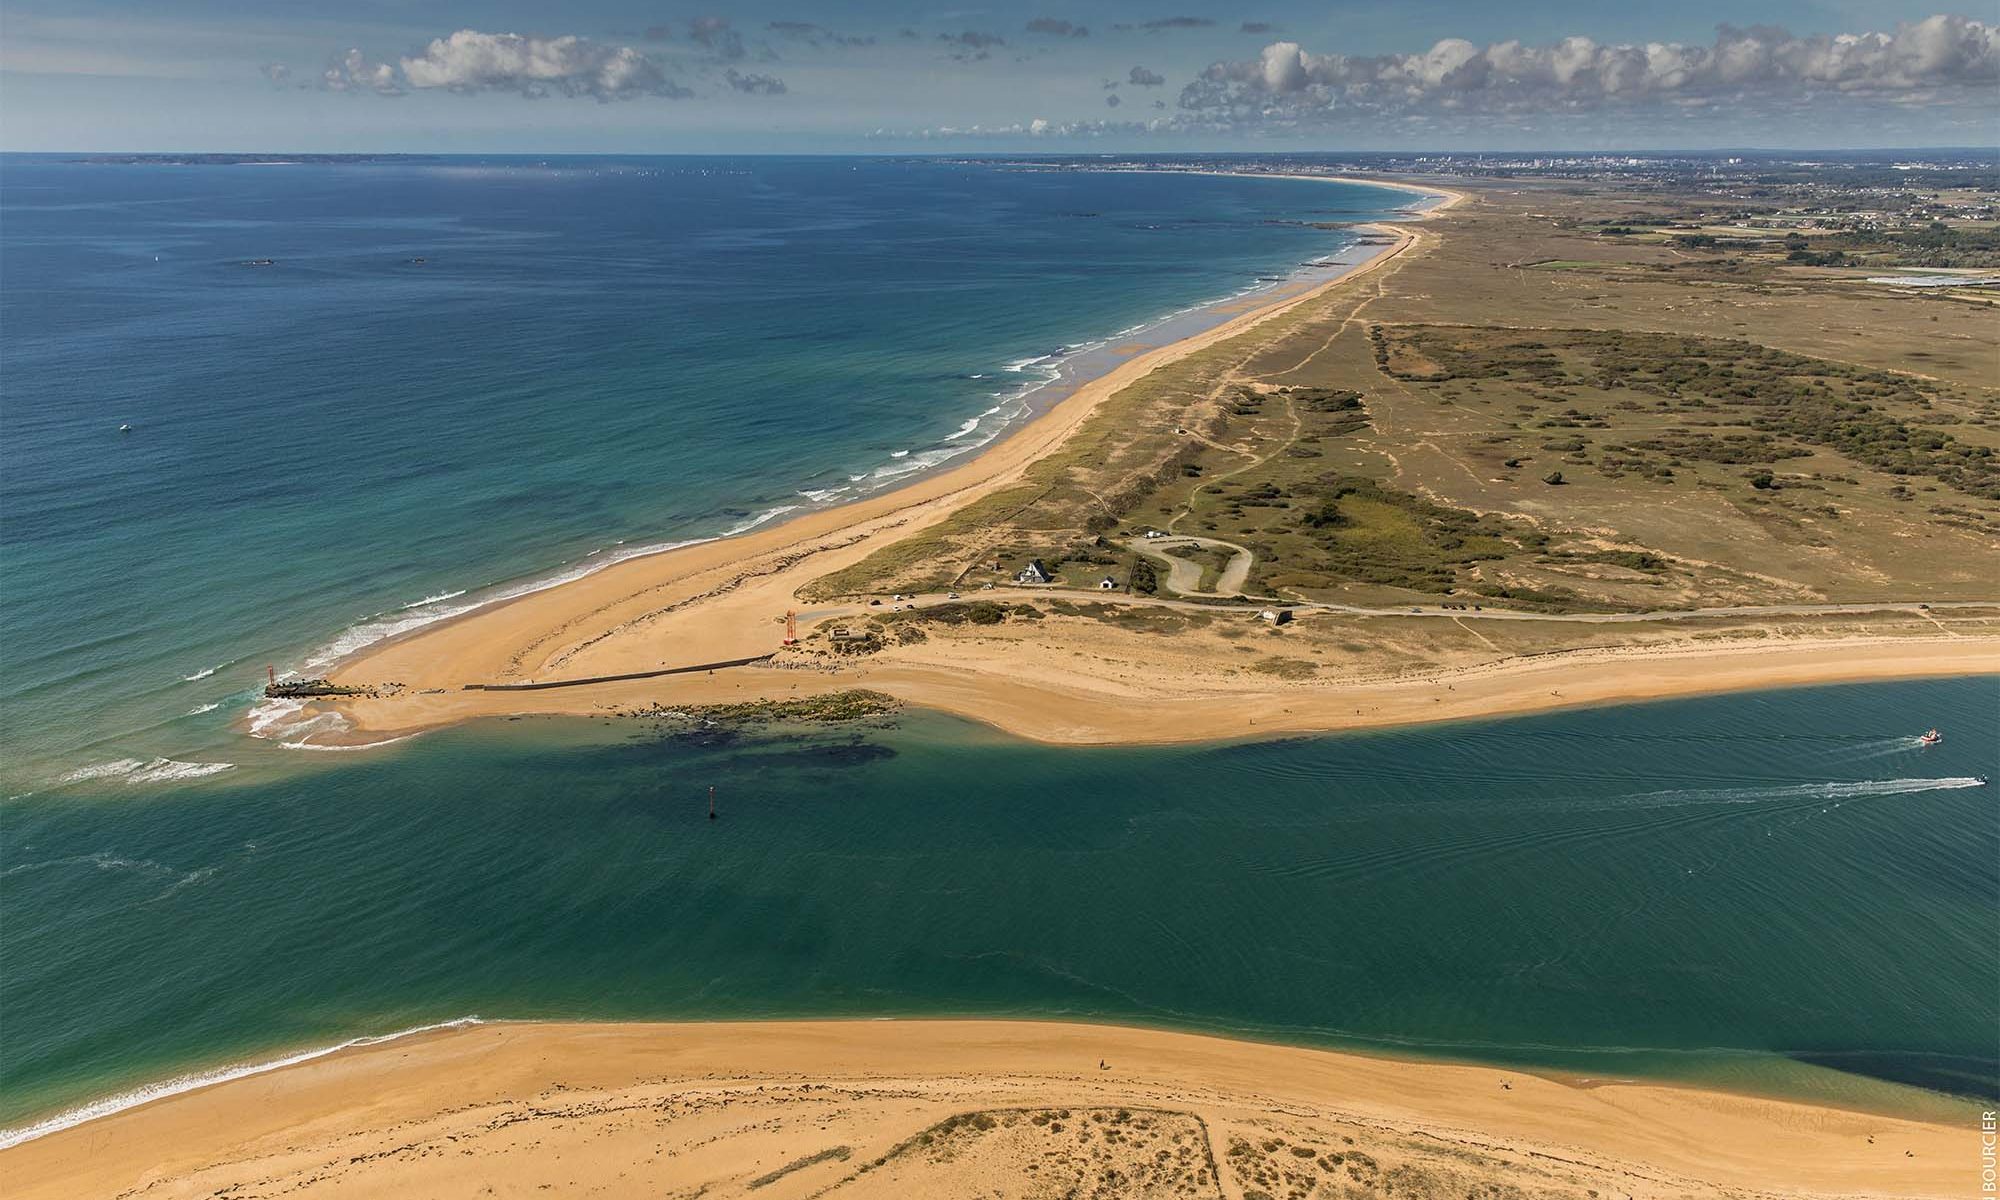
[278,73]
[1940,57]
[1112,101]
[1040,127]
[1141,77]
[352,72]
[1057,28]
[755,85]
[471,61]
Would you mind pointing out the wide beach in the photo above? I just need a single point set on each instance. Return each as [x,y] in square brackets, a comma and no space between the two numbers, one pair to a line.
[871,1108]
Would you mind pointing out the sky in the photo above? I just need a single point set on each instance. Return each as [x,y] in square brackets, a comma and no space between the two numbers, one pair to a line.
[891,76]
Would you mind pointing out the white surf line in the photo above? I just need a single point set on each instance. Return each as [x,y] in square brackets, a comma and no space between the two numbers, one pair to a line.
[383,626]
[180,1084]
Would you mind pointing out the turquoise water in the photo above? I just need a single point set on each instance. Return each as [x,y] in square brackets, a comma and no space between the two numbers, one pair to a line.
[594,356]
[1772,890]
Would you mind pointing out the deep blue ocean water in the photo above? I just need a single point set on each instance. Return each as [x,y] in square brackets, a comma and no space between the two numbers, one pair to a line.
[594,355]
[1775,891]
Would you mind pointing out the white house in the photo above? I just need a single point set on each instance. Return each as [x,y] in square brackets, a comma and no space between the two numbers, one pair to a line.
[1034,572]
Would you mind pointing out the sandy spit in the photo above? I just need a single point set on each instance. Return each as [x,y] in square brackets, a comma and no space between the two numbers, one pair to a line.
[717,1109]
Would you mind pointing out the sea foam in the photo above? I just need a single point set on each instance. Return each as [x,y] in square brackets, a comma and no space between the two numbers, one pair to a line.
[188,1083]
[381,626]
[137,771]
[972,434]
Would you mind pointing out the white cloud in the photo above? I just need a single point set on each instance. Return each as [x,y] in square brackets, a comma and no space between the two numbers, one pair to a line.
[1939,57]
[352,72]
[471,61]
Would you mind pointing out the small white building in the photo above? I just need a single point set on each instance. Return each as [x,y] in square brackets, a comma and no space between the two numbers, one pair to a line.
[1276,616]
[1107,584]
[1034,573]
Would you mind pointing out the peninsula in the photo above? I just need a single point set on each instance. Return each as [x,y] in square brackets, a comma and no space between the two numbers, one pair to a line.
[1546,448]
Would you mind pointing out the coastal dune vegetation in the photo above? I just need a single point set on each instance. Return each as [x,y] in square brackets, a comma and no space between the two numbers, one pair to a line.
[1365,450]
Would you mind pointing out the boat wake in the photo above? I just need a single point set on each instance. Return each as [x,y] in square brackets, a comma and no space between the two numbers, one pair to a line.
[1835,790]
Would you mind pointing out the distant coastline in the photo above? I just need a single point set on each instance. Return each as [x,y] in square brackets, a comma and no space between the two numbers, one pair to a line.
[247,160]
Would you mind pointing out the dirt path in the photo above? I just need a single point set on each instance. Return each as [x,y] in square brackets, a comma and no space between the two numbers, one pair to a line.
[1184,575]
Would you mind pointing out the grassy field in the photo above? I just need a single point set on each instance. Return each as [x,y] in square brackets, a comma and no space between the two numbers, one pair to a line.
[1535,413]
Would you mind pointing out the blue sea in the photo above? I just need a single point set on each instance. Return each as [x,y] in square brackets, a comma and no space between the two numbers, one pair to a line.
[449,379]
[1776,891]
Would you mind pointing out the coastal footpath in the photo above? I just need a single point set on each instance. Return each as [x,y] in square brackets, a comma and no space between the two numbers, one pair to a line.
[782,1110]
[1480,550]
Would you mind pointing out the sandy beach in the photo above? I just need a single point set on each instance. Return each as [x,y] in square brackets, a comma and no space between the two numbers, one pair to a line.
[924,1108]
[727,598]
[1072,682]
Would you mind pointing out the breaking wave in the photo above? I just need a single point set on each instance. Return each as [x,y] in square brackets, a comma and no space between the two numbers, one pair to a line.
[137,771]
[188,1083]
